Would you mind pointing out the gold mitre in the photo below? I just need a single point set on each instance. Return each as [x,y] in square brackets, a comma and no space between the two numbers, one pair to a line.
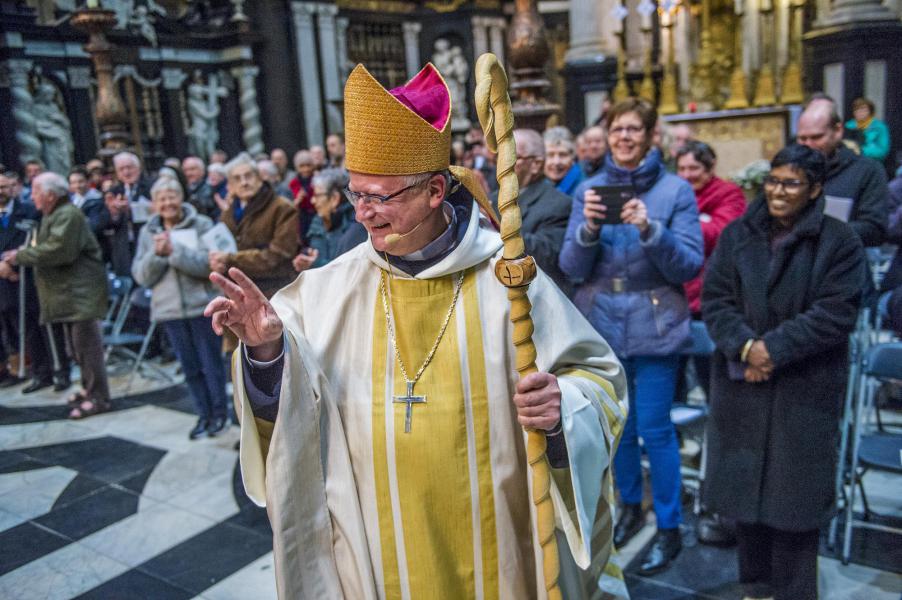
[400,132]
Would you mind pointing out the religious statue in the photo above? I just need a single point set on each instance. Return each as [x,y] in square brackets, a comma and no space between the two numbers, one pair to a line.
[203,111]
[52,127]
[450,62]
[138,18]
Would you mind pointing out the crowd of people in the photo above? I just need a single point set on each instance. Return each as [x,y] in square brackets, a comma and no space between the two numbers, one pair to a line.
[776,284]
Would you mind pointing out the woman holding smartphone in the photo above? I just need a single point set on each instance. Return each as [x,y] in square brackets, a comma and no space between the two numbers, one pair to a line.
[629,261]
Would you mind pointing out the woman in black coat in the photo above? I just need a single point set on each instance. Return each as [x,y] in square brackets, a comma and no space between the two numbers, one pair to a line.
[780,297]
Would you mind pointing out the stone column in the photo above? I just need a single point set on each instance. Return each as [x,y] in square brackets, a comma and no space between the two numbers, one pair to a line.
[326,22]
[412,47]
[84,132]
[23,107]
[751,41]
[592,30]
[682,33]
[341,43]
[635,39]
[251,129]
[175,128]
[308,70]
[480,35]
[496,37]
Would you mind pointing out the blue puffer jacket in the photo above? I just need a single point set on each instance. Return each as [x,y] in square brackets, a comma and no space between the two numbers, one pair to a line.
[631,289]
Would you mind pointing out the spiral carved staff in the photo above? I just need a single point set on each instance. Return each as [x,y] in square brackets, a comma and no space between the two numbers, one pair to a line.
[515,271]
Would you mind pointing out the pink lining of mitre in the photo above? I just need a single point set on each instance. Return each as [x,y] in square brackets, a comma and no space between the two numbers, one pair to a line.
[426,95]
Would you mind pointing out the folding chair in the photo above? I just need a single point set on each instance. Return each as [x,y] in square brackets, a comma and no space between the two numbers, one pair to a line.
[871,451]
[859,341]
[120,289]
[117,341]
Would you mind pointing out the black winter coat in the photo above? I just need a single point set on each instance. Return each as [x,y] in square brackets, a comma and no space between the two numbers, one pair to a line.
[12,237]
[545,211]
[864,182]
[773,445]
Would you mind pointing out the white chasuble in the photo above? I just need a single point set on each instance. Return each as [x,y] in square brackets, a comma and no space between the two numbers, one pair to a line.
[362,509]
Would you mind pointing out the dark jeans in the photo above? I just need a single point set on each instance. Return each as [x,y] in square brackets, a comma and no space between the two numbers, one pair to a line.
[782,564]
[86,346]
[651,381]
[199,350]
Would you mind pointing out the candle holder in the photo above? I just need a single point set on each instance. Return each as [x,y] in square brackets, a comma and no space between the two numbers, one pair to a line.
[670,89]
[646,9]
[765,88]
[621,90]
[791,92]
[738,84]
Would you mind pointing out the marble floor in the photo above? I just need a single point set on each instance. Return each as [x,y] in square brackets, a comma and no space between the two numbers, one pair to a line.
[123,505]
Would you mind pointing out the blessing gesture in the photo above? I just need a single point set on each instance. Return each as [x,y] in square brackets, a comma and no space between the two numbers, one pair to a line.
[247,312]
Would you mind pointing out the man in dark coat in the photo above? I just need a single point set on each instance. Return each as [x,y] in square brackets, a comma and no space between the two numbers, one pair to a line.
[544,209]
[199,193]
[596,143]
[89,200]
[16,219]
[855,185]
[780,297]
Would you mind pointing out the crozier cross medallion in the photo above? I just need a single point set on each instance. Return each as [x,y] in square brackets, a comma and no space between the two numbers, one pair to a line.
[410,400]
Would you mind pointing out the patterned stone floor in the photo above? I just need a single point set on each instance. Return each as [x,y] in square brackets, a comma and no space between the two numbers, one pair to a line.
[123,505]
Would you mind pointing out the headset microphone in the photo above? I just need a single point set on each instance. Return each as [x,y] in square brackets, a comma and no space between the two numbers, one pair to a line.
[393,238]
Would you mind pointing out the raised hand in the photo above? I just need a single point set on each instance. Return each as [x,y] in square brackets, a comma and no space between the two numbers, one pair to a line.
[593,210]
[247,312]
[223,203]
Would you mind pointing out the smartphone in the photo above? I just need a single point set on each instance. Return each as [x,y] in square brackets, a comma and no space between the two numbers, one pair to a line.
[613,197]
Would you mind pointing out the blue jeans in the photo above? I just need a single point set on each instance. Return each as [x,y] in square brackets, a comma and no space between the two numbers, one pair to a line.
[199,350]
[651,381]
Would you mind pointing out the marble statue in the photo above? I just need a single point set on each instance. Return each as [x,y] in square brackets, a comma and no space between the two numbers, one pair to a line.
[203,112]
[53,128]
[450,62]
[138,18]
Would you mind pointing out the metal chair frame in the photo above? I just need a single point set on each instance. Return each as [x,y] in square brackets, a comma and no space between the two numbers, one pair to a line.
[116,341]
[871,375]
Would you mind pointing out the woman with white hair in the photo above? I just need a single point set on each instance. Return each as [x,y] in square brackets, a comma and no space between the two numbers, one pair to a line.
[561,167]
[171,260]
[333,218]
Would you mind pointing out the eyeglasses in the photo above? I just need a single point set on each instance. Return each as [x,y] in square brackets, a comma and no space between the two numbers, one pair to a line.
[792,186]
[628,130]
[356,198]
[530,157]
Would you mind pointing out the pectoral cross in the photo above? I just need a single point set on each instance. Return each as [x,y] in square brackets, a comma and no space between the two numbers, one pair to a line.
[410,400]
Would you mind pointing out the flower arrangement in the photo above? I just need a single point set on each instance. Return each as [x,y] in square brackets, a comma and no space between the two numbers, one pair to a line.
[751,176]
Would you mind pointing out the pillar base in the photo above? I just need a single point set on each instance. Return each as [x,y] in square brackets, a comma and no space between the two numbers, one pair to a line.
[765,89]
[587,76]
